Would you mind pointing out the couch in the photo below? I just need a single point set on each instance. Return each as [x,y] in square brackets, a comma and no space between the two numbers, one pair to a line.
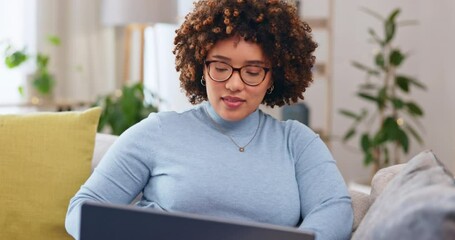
[44,158]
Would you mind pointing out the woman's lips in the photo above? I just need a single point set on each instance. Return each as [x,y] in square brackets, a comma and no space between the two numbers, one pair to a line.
[232,102]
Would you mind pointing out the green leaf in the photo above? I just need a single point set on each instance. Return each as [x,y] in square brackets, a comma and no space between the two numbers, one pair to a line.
[42,61]
[416,83]
[403,139]
[396,57]
[367,86]
[368,159]
[402,82]
[414,109]
[43,83]
[368,97]
[349,114]
[375,37]
[391,127]
[365,68]
[20,89]
[379,60]
[389,32]
[380,137]
[15,59]
[390,26]
[365,143]
[54,40]
[349,134]
[397,103]
[382,97]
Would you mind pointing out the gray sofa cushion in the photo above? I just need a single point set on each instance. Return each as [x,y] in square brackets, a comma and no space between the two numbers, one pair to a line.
[360,204]
[418,204]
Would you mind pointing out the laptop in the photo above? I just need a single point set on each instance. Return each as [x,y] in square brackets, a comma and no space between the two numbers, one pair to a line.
[102,221]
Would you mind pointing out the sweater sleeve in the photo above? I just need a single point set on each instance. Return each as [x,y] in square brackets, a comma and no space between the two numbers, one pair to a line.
[326,205]
[120,176]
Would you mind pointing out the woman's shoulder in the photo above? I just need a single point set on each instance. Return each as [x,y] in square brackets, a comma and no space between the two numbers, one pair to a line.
[298,136]
[169,121]
[174,116]
[155,124]
[291,127]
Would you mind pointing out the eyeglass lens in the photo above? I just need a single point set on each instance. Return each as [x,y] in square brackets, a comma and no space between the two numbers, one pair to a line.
[250,74]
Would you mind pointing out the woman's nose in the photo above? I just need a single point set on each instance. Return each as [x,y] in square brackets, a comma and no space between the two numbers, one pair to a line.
[235,83]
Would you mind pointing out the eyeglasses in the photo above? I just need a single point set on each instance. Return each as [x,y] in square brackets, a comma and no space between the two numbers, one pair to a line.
[250,74]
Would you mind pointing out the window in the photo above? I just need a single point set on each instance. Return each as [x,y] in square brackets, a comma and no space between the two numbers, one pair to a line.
[160,75]
[16,28]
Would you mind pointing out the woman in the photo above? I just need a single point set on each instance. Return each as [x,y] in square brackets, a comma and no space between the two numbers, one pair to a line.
[225,157]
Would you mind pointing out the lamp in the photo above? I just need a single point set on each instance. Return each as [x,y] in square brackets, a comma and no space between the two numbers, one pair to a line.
[135,16]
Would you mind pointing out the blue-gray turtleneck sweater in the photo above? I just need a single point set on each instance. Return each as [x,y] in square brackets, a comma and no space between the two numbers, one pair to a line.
[182,162]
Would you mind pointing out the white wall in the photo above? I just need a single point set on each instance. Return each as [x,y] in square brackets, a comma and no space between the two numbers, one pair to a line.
[431,45]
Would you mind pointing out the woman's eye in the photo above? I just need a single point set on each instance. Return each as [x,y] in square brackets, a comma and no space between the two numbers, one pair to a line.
[252,73]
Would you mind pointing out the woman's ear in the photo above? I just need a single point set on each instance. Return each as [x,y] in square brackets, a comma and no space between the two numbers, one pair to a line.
[270,84]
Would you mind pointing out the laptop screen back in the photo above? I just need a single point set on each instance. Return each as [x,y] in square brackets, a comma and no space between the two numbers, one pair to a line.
[100,221]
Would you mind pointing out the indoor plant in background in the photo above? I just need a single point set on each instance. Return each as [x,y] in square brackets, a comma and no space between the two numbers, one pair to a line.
[385,133]
[42,80]
[125,107]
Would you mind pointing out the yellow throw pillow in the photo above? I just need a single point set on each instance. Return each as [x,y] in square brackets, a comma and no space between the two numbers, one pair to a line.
[44,159]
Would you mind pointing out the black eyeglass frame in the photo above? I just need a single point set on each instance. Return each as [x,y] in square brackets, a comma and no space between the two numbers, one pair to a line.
[266,70]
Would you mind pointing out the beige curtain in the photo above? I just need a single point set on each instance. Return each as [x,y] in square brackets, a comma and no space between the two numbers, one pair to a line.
[84,64]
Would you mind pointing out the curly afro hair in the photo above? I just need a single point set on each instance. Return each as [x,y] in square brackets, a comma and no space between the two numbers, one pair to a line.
[273,24]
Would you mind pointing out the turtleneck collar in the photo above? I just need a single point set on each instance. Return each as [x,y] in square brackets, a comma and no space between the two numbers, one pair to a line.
[244,126]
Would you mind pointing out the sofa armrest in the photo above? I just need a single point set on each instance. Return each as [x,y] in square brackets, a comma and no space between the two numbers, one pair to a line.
[382,178]
[361,201]
[102,143]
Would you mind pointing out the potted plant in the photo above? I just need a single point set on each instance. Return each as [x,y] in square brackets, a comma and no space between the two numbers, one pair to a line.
[42,80]
[124,108]
[385,133]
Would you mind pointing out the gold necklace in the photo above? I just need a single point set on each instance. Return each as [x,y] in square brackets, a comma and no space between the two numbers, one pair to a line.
[241,148]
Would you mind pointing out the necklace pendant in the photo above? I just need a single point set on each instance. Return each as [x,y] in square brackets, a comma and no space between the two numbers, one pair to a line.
[241,149]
